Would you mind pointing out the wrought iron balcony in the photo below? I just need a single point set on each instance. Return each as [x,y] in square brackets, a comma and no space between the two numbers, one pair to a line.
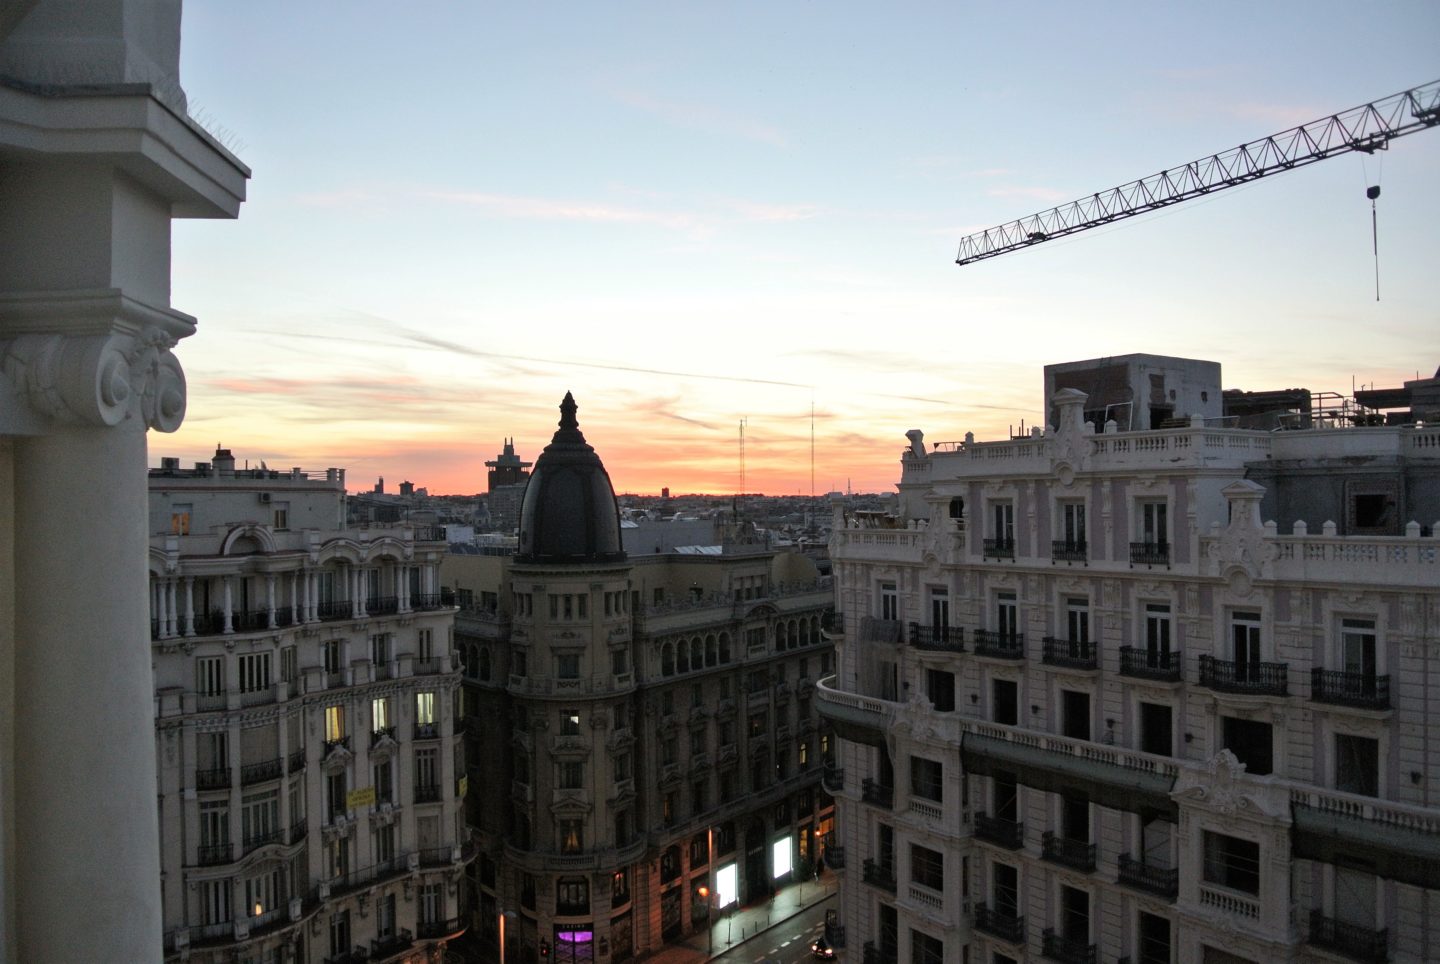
[427,731]
[1357,942]
[1003,645]
[258,840]
[1002,924]
[257,772]
[216,779]
[835,857]
[382,605]
[332,745]
[249,620]
[1074,653]
[1229,676]
[832,777]
[429,600]
[1162,881]
[939,639]
[298,830]
[377,735]
[1066,949]
[334,609]
[1079,854]
[214,854]
[383,947]
[1064,550]
[999,548]
[427,792]
[431,929]
[832,623]
[1158,664]
[1363,690]
[998,830]
[1150,554]
[879,876]
[877,793]
[297,760]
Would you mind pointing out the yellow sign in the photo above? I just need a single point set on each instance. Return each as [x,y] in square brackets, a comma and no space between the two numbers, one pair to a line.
[363,797]
[463,786]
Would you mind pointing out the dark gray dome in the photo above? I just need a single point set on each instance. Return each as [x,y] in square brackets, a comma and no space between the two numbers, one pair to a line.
[569,513]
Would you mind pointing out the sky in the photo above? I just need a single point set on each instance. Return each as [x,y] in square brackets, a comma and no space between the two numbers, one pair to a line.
[698,215]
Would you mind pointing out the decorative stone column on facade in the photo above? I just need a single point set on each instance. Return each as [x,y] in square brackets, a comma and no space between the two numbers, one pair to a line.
[97,155]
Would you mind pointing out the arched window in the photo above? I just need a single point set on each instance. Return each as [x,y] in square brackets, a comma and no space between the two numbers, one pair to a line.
[724,647]
[712,653]
[957,508]
[485,664]
[682,658]
[667,660]
[697,653]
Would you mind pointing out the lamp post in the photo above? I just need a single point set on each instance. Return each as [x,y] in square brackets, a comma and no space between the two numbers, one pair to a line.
[709,930]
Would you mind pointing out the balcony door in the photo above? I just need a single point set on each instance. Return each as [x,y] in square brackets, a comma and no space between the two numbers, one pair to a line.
[1245,643]
[1357,647]
[1005,890]
[940,612]
[1007,616]
[1157,635]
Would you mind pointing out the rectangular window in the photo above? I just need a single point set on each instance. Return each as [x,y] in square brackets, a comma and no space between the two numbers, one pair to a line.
[289,664]
[1003,514]
[334,723]
[1075,914]
[332,656]
[1357,765]
[1007,615]
[380,714]
[215,824]
[889,601]
[1006,795]
[427,768]
[569,722]
[572,775]
[1357,647]
[572,836]
[384,783]
[567,666]
[1251,742]
[1004,889]
[180,522]
[1073,522]
[1077,621]
[1075,818]
[384,843]
[1075,714]
[1006,698]
[380,649]
[1156,732]
[1245,640]
[254,669]
[1157,634]
[335,788]
[259,817]
[939,610]
[424,709]
[431,904]
[215,901]
[210,675]
[926,779]
[281,515]
[425,644]
[940,689]
[1154,524]
[340,934]
[925,949]
[1232,862]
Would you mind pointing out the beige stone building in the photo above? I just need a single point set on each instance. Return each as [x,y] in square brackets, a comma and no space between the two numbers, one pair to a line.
[1151,696]
[644,726]
[307,724]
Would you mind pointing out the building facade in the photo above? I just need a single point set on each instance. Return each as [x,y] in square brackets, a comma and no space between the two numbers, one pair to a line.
[1093,708]
[646,724]
[307,724]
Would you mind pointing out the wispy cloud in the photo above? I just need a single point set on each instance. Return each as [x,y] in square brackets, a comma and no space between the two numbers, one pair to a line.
[704,117]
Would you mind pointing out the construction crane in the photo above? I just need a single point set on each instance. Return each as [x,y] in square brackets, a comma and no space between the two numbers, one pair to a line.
[1367,128]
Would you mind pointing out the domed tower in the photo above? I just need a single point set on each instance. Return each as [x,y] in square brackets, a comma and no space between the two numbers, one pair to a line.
[572,688]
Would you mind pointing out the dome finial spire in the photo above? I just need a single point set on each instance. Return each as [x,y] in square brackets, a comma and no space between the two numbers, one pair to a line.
[567,412]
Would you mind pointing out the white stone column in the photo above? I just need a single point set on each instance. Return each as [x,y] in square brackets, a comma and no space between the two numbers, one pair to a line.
[228,626]
[82,671]
[170,607]
[189,606]
[402,588]
[270,599]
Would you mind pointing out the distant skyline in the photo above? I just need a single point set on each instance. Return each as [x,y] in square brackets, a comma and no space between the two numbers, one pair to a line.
[689,215]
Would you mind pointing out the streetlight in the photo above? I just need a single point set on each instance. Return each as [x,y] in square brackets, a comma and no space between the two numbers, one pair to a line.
[504,914]
[704,893]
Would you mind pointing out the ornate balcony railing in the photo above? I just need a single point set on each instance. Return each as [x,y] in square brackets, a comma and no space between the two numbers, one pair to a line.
[1230,676]
[879,875]
[999,548]
[998,830]
[1157,664]
[427,792]
[377,735]
[429,600]
[257,840]
[216,779]
[214,854]
[832,623]
[266,770]
[427,731]
[938,639]
[431,929]
[1363,690]
[298,830]
[331,745]
[1078,854]
[1163,881]
[297,760]
[249,620]
[1150,554]
[1003,645]
[334,609]
[1002,924]
[1065,949]
[1355,941]
[382,605]
[832,777]
[1064,550]
[1074,653]
[872,791]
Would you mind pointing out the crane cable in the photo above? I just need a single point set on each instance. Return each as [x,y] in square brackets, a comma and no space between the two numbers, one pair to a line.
[1373,192]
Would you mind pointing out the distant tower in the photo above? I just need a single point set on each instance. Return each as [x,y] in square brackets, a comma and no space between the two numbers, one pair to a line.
[506,486]
[380,485]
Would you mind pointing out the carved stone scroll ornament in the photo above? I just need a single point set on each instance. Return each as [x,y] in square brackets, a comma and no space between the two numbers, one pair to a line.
[100,379]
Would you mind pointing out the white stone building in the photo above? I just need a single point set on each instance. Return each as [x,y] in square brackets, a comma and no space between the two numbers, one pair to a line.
[307,724]
[1094,708]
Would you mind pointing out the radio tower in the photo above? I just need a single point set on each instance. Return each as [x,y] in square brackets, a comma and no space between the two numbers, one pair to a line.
[742,456]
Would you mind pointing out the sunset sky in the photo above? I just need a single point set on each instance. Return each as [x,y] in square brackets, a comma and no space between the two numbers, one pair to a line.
[689,214]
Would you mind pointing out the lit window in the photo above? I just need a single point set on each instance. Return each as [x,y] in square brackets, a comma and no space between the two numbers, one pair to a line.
[334,723]
[424,709]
